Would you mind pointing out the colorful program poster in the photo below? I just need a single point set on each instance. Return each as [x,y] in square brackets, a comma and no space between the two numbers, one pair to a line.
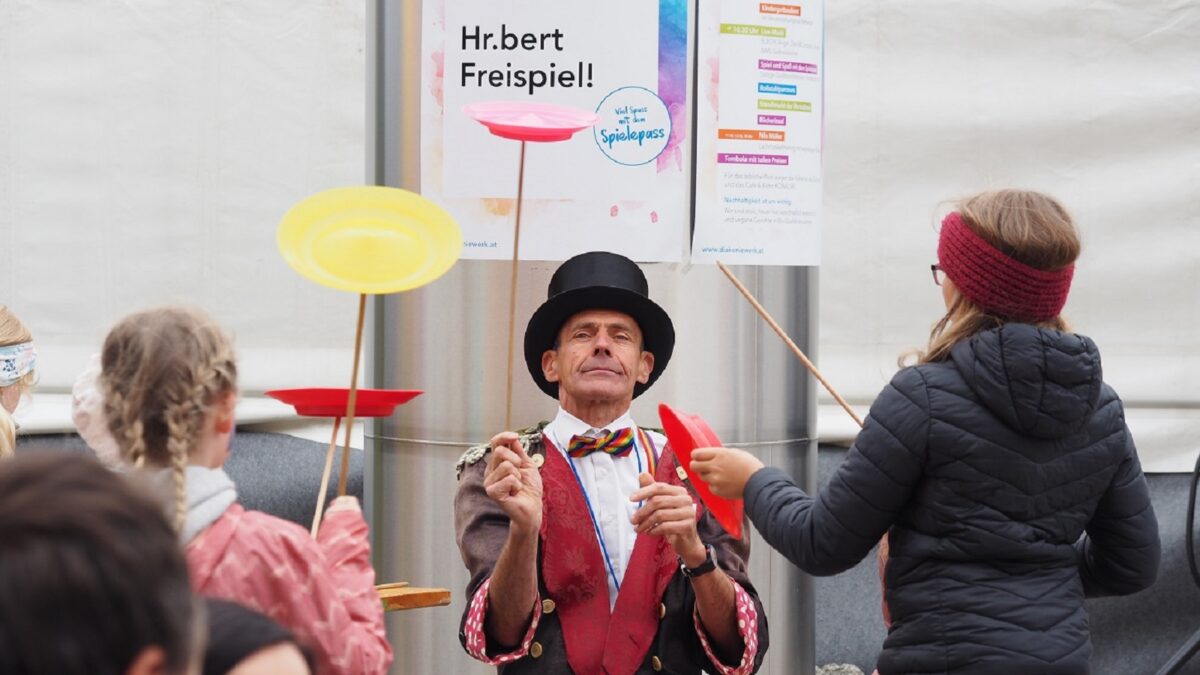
[759,123]
[623,186]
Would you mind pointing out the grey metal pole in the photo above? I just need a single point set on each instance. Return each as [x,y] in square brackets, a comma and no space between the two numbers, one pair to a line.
[728,366]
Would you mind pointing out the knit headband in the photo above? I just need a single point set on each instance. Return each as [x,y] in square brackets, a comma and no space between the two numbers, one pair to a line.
[1000,285]
[16,361]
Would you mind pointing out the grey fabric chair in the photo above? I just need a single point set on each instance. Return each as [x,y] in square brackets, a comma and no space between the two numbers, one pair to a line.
[274,473]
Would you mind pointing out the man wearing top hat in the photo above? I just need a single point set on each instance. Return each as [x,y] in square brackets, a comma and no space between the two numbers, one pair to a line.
[587,552]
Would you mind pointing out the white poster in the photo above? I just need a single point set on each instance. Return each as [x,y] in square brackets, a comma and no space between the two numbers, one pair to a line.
[759,129]
[623,186]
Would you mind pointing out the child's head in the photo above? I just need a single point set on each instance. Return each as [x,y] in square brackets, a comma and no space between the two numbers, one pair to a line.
[1007,255]
[92,579]
[169,382]
[241,640]
[17,361]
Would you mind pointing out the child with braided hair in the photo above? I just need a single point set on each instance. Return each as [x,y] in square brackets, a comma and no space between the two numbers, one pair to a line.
[169,385]
[17,359]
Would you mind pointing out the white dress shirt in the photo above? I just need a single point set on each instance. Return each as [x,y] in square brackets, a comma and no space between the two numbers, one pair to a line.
[608,482]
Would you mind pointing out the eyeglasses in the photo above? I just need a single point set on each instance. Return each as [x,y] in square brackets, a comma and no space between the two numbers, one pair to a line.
[938,273]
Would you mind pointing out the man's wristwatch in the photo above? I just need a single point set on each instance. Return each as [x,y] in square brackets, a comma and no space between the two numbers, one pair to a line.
[709,564]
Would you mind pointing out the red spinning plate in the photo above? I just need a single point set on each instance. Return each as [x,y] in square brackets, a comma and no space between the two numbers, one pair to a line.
[331,401]
[685,433]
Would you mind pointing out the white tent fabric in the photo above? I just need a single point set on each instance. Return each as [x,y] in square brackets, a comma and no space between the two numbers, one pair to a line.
[1097,103]
[147,153]
[148,149]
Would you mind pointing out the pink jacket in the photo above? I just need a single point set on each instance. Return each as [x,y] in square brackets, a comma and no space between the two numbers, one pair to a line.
[322,590]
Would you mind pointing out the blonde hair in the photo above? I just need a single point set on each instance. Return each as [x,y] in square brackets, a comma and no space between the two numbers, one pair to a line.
[12,332]
[8,434]
[1029,227]
[161,370]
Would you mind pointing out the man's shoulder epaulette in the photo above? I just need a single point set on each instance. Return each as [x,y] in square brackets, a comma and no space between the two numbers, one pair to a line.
[530,438]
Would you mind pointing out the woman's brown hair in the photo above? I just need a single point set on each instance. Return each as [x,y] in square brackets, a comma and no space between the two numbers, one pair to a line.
[1029,227]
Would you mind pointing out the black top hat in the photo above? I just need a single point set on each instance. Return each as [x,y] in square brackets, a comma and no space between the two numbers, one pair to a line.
[598,280]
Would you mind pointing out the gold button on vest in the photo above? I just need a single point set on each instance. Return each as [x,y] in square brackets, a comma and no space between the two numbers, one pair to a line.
[662,610]
[538,460]
[535,650]
[656,663]
[547,606]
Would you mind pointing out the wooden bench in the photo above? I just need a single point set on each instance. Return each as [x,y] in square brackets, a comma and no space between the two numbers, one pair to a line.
[399,596]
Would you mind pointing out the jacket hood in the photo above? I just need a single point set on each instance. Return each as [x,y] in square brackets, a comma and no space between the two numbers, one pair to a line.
[1043,383]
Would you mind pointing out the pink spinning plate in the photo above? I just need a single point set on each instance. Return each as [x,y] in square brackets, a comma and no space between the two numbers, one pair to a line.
[529,121]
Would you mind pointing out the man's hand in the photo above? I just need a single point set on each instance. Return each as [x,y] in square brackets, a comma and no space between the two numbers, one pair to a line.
[726,470]
[512,480]
[669,512]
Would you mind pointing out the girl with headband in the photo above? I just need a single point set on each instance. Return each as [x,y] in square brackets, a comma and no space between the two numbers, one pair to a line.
[999,466]
[17,361]
[169,386]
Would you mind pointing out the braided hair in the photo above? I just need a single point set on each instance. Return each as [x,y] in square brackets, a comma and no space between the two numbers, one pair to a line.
[161,371]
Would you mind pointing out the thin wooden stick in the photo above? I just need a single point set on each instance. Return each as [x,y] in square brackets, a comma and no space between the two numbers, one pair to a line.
[512,291]
[337,422]
[795,350]
[353,398]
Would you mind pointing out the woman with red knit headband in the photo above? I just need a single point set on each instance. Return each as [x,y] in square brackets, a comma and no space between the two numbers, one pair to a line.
[999,466]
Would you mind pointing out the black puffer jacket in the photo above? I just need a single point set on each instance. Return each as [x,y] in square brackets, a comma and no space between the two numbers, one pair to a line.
[1011,489]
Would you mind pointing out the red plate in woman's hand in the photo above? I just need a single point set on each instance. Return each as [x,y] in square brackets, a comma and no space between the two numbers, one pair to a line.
[685,433]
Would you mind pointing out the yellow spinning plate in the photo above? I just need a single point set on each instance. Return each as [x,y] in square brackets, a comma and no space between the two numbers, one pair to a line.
[369,239]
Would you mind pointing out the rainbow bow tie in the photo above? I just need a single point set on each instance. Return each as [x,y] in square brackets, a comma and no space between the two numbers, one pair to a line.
[617,443]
